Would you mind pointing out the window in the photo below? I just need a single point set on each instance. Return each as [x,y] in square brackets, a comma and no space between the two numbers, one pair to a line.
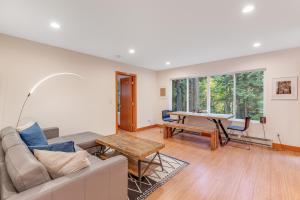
[240,94]
[249,95]
[179,95]
[198,94]
[221,94]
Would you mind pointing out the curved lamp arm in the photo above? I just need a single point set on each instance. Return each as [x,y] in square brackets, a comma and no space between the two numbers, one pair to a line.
[40,83]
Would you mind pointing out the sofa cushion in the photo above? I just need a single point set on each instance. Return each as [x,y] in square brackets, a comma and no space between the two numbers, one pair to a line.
[61,163]
[2,154]
[6,186]
[24,169]
[7,131]
[33,135]
[51,132]
[11,140]
[94,159]
[84,140]
[62,146]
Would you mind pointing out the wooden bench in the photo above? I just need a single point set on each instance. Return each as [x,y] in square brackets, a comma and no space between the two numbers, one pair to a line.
[204,131]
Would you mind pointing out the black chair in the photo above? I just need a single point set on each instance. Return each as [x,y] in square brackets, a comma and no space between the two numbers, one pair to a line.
[166,116]
[242,129]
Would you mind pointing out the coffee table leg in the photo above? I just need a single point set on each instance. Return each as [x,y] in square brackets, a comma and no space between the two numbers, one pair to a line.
[140,175]
[162,168]
[140,171]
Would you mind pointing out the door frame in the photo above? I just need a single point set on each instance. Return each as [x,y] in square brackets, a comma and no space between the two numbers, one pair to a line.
[134,95]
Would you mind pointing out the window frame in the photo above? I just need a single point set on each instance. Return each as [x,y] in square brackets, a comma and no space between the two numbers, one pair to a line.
[209,89]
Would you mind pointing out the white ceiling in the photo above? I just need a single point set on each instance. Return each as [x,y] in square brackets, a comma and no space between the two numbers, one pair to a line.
[183,32]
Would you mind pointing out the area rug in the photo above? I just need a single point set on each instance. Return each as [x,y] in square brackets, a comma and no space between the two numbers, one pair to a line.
[155,179]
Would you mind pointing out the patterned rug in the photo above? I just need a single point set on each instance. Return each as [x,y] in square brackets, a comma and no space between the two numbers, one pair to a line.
[155,179]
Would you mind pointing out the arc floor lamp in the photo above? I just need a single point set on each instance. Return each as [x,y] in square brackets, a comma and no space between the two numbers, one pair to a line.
[40,83]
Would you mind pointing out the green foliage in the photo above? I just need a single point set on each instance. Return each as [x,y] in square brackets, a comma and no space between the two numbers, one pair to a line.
[202,93]
[198,94]
[221,91]
[179,93]
[249,95]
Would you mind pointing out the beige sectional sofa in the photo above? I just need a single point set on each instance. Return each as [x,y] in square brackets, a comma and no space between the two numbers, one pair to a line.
[23,177]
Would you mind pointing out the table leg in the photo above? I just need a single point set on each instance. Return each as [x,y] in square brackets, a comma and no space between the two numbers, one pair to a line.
[152,162]
[219,132]
[179,119]
[224,131]
[140,171]
[183,119]
[162,168]
[166,132]
[182,122]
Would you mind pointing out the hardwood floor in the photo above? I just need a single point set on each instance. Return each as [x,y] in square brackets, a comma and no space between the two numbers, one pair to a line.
[227,173]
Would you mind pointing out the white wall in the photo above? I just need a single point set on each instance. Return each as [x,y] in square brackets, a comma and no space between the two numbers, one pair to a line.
[283,116]
[71,104]
[89,104]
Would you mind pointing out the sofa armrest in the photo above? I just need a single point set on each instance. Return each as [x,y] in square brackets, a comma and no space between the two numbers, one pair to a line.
[52,132]
[103,180]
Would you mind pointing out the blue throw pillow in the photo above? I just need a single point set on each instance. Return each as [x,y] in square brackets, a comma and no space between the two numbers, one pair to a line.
[63,146]
[33,136]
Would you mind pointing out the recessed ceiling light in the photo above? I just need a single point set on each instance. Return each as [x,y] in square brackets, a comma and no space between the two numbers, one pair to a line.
[55,25]
[168,63]
[257,44]
[131,51]
[248,9]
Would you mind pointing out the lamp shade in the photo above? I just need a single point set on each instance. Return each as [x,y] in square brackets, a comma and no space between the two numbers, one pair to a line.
[49,77]
[40,83]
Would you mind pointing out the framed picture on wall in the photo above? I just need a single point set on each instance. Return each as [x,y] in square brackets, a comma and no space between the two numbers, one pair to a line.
[163,92]
[285,88]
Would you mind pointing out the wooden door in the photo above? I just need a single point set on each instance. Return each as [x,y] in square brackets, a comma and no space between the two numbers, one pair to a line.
[126,104]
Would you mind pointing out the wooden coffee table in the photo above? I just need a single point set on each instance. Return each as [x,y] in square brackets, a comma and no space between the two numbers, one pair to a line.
[135,149]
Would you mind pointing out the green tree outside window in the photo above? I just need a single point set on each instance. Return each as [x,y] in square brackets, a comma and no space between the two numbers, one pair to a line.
[179,95]
[221,92]
[241,94]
